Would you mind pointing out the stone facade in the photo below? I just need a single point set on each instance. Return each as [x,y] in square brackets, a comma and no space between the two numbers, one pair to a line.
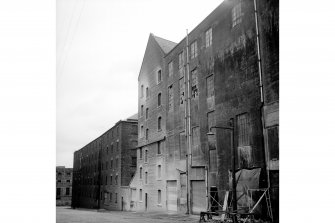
[104,168]
[63,185]
[225,86]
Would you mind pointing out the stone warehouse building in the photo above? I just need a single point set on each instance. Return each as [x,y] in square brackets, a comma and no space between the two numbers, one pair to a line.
[224,71]
[104,167]
[63,185]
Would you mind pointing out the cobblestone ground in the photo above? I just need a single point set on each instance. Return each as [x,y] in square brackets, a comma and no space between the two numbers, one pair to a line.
[68,215]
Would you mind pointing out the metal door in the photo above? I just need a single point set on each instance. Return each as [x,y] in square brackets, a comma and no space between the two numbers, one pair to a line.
[171,195]
[198,196]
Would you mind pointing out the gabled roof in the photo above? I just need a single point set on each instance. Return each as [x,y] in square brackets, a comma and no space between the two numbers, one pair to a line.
[165,44]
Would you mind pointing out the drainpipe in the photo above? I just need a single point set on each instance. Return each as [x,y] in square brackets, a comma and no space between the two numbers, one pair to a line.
[188,126]
[261,91]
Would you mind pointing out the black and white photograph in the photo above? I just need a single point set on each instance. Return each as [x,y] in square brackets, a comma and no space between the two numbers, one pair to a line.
[156,111]
[166,119]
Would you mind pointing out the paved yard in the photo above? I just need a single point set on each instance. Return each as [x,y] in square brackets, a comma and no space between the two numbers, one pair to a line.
[68,215]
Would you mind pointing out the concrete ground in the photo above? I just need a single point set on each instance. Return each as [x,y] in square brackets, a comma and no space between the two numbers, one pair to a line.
[68,215]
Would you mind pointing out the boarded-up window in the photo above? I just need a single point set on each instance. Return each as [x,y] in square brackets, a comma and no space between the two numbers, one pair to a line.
[195,142]
[237,14]
[210,86]
[182,145]
[208,37]
[213,160]
[181,57]
[243,126]
[181,91]
[170,96]
[171,68]
[273,143]
[194,75]
[194,50]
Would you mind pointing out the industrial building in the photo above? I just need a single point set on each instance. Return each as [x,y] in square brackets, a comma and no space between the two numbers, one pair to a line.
[222,79]
[104,167]
[63,185]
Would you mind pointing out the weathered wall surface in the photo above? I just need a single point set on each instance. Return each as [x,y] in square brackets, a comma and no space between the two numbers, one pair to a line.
[103,166]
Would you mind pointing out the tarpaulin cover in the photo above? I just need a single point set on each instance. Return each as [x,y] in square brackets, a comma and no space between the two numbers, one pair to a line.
[245,179]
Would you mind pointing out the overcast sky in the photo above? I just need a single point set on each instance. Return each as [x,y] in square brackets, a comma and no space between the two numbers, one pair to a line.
[100,47]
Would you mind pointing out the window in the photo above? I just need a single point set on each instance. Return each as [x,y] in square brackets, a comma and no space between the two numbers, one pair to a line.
[146,178]
[159,147]
[159,171]
[159,197]
[170,68]
[115,197]
[181,91]
[106,180]
[237,14]
[112,148]
[182,145]
[170,95]
[59,181]
[117,163]
[142,107]
[209,37]
[111,164]
[159,99]
[194,75]
[117,146]
[111,178]
[111,197]
[210,86]
[142,91]
[273,143]
[159,123]
[159,76]
[107,150]
[243,126]
[58,191]
[141,132]
[116,179]
[146,156]
[140,153]
[140,194]
[147,134]
[181,59]
[67,192]
[133,160]
[147,93]
[146,113]
[68,181]
[140,172]
[194,50]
